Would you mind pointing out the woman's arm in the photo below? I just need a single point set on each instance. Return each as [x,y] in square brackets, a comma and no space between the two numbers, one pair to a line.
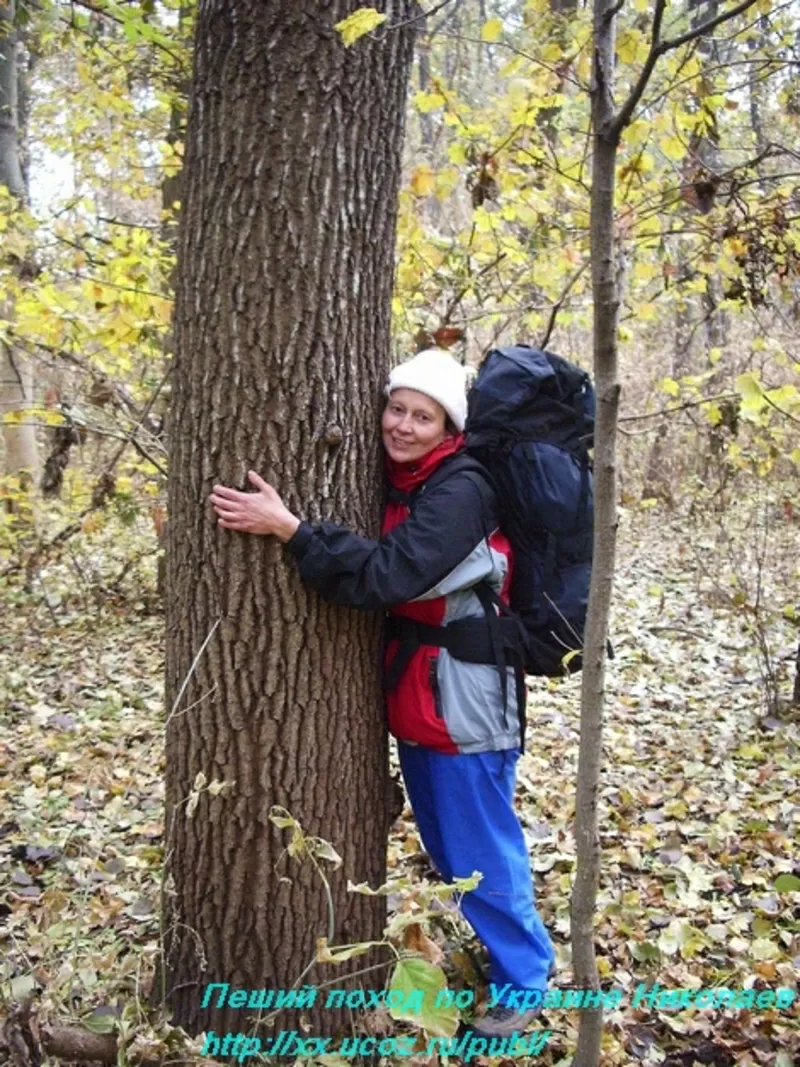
[447,525]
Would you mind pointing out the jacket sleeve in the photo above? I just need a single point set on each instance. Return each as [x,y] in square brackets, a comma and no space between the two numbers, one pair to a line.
[443,530]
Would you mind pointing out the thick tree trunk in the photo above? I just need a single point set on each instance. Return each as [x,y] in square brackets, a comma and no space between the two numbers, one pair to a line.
[16,374]
[282,344]
[606,295]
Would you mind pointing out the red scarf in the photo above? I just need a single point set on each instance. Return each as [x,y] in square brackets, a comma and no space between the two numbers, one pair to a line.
[407,476]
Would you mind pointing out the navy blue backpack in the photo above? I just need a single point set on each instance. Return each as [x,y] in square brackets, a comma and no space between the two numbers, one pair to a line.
[530,423]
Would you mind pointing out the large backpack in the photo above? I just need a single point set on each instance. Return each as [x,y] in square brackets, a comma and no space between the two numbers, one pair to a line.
[530,423]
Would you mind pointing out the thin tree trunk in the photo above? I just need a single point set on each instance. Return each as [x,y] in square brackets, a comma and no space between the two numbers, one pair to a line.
[16,372]
[608,126]
[606,319]
[282,343]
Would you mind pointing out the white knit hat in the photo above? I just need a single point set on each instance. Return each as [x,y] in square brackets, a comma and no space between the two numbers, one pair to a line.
[435,373]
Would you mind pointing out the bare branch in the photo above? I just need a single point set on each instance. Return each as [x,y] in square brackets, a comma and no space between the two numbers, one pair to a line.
[560,303]
[659,48]
[615,10]
[679,407]
[420,17]
[451,307]
[707,26]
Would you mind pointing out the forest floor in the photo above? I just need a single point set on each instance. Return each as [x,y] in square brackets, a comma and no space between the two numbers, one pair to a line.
[699,814]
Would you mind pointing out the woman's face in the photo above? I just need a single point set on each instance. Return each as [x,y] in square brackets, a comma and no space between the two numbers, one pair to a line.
[412,425]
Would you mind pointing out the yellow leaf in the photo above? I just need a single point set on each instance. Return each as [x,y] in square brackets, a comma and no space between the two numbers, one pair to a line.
[38,774]
[784,398]
[794,456]
[670,387]
[627,44]
[672,147]
[457,153]
[423,180]
[427,102]
[359,23]
[645,272]
[748,386]
[492,30]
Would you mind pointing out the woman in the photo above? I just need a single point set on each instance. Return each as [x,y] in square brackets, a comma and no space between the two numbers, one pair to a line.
[457,727]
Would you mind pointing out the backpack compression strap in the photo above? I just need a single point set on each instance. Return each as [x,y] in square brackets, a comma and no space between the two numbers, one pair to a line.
[491,640]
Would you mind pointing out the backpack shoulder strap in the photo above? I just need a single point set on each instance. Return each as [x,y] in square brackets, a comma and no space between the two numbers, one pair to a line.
[455,464]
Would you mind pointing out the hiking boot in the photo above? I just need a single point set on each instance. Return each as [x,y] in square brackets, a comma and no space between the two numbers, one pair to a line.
[500,1021]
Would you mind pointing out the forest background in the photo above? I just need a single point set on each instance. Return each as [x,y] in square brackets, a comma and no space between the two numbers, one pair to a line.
[700,880]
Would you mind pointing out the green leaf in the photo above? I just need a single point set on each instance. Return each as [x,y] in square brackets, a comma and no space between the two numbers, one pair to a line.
[642,951]
[100,1023]
[340,953]
[22,986]
[359,23]
[415,976]
[764,949]
[748,386]
[281,818]
[325,851]
[787,883]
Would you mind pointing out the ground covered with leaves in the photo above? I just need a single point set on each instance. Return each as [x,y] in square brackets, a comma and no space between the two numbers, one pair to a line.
[700,802]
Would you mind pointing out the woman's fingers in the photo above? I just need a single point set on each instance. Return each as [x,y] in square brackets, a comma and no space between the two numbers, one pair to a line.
[229,494]
[254,512]
[223,501]
[258,481]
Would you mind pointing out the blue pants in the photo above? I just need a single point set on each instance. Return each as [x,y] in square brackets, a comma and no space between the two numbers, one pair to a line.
[464,810]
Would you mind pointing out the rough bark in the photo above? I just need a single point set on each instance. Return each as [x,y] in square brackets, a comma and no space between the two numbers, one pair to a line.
[606,296]
[16,373]
[282,343]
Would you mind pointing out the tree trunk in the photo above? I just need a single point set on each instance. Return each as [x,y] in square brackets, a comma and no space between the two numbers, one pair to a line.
[547,118]
[606,296]
[16,374]
[282,343]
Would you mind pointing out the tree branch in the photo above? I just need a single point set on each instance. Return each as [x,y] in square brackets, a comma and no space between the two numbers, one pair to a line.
[26,1040]
[623,116]
[659,48]
[707,26]
[456,300]
[679,407]
[560,303]
[104,488]
[421,17]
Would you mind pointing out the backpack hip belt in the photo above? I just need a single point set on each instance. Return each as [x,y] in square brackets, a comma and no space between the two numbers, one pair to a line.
[501,644]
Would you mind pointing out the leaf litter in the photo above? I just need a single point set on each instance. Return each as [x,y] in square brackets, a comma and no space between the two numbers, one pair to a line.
[699,813]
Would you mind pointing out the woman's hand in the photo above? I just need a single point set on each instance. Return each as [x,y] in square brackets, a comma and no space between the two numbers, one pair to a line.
[262,512]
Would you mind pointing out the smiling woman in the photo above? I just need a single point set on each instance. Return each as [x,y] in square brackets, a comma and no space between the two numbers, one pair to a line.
[412,425]
[440,556]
